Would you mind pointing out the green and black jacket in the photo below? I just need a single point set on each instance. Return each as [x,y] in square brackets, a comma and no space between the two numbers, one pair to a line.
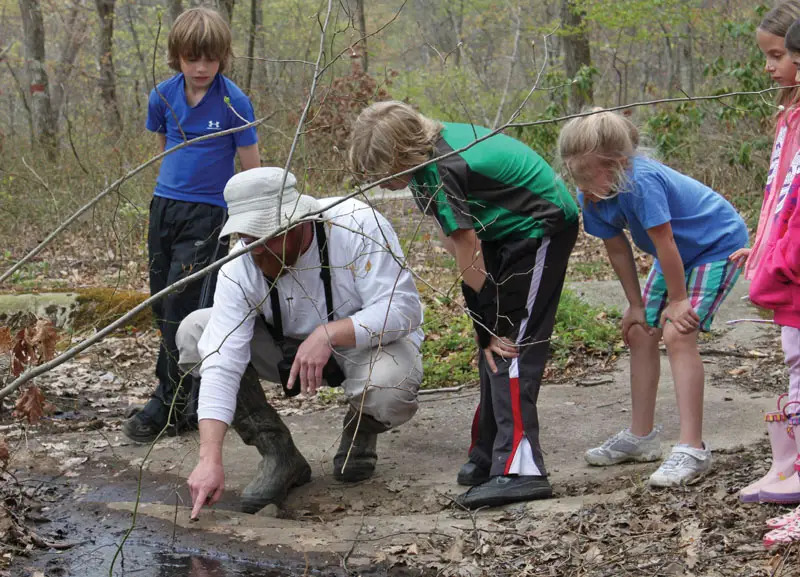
[499,187]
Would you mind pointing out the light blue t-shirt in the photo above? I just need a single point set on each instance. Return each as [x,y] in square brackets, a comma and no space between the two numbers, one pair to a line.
[198,172]
[705,226]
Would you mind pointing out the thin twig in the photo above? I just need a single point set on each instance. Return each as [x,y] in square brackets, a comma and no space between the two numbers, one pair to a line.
[309,100]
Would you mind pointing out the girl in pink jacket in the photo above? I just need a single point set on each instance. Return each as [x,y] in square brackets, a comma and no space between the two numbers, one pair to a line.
[773,264]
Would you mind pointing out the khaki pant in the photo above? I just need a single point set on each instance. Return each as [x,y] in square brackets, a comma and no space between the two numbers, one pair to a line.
[388,379]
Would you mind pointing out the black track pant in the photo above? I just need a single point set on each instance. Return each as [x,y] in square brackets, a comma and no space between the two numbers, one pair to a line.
[529,275]
[183,237]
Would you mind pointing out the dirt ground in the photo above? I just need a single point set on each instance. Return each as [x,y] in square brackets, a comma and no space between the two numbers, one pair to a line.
[74,482]
[76,498]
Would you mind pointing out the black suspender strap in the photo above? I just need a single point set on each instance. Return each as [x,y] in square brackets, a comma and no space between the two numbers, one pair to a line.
[325,266]
[276,328]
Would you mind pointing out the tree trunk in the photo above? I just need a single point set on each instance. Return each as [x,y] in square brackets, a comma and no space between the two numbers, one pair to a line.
[457,21]
[40,104]
[261,68]
[24,99]
[688,59]
[147,75]
[76,37]
[255,26]
[360,22]
[105,58]
[175,7]
[225,8]
[575,45]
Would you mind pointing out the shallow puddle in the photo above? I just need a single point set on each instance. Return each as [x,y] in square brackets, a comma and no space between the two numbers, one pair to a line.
[149,561]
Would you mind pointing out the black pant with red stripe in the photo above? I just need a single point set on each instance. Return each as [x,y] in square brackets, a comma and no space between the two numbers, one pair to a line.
[529,275]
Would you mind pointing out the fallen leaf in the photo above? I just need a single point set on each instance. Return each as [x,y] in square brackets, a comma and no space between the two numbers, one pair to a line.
[32,405]
[33,346]
[6,342]
[4,453]
[593,554]
[43,337]
[21,353]
[455,554]
[690,538]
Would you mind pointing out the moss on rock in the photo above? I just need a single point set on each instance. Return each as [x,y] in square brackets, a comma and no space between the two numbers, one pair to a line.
[98,307]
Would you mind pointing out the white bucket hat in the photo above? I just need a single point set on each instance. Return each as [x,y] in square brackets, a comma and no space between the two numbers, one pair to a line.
[252,197]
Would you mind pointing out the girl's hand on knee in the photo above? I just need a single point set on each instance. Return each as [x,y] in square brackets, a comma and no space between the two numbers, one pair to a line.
[634,316]
[682,316]
[501,347]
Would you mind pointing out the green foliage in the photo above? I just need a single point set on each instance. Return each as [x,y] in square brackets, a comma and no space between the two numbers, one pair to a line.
[582,329]
[642,18]
[741,70]
[670,129]
[449,350]
[544,138]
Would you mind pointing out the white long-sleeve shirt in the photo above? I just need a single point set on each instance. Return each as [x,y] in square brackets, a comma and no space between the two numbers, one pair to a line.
[368,282]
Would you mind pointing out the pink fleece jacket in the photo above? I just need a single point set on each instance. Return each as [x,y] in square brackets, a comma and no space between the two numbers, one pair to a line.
[784,148]
[776,271]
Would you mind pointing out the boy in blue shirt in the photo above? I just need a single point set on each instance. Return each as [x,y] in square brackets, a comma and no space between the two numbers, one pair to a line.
[188,209]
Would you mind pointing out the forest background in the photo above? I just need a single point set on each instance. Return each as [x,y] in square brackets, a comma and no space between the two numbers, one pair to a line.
[75,76]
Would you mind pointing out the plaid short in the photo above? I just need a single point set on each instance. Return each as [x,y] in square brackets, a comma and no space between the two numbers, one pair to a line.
[707,285]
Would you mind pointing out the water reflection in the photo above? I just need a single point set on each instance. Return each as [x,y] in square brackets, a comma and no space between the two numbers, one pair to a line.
[176,565]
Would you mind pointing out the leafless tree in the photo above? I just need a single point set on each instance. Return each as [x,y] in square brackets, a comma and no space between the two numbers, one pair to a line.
[105,59]
[174,9]
[359,20]
[577,54]
[75,29]
[39,85]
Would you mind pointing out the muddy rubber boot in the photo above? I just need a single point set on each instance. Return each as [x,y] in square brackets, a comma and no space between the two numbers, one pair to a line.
[360,465]
[282,466]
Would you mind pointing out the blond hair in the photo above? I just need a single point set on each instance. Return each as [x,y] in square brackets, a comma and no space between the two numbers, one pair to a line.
[389,137]
[199,32]
[607,137]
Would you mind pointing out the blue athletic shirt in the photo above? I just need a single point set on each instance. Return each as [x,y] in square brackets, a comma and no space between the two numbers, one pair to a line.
[198,172]
[705,226]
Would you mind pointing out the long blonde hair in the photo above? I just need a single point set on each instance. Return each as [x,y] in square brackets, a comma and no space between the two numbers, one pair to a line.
[389,137]
[607,137]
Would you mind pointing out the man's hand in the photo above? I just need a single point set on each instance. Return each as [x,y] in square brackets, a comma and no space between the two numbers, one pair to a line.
[739,257]
[502,347]
[682,315]
[206,484]
[634,316]
[311,358]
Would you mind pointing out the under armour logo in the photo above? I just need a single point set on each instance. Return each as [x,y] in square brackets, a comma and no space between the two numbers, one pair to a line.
[212,124]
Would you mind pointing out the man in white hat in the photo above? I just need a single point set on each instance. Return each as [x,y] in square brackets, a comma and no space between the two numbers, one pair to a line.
[327,301]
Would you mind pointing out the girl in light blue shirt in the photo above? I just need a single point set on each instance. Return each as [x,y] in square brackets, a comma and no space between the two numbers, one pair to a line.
[691,231]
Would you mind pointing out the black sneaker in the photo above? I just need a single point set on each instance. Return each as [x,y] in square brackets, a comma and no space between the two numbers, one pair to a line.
[139,428]
[471,475]
[502,490]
